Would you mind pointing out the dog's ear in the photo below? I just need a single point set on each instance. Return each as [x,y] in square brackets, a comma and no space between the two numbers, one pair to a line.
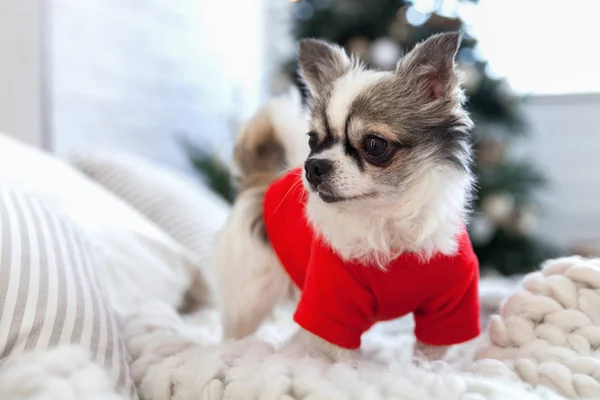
[430,65]
[321,63]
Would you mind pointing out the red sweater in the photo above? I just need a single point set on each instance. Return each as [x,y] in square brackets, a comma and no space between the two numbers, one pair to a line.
[342,300]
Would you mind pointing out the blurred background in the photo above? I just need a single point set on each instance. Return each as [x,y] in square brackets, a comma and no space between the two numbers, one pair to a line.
[171,80]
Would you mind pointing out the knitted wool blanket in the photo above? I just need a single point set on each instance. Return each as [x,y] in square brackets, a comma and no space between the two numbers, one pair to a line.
[543,344]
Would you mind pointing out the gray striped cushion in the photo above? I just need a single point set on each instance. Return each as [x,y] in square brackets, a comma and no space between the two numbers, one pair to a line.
[138,259]
[182,207]
[50,289]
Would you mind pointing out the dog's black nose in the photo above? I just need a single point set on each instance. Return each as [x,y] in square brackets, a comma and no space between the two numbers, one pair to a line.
[316,169]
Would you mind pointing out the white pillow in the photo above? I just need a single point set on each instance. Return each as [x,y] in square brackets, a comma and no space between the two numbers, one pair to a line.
[140,261]
[187,210]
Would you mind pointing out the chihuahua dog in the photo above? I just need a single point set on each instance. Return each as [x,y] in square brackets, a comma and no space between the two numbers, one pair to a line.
[367,222]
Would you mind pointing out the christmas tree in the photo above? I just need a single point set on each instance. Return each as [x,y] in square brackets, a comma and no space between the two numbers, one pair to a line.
[379,32]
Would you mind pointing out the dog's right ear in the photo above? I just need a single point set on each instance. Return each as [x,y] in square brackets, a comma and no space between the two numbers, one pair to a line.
[321,63]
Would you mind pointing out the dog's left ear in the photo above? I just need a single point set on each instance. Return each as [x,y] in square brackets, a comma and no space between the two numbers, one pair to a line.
[430,65]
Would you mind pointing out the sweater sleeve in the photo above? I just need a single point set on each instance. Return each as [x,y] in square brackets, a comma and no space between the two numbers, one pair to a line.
[452,317]
[334,304]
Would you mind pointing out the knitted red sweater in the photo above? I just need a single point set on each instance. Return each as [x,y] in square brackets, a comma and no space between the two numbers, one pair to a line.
[341,300]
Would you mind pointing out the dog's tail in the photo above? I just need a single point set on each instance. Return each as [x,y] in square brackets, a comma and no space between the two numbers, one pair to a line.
[271,141]
[249,276]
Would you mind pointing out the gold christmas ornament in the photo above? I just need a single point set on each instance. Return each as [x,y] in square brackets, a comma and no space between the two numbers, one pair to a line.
[358,46]
[490,152]
[401,15]
[499,207]
[401,32]
[441,23]
[526,220]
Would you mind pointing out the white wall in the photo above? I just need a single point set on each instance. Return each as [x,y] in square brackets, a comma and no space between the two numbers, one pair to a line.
[565,142]
[21,89]
[137,75]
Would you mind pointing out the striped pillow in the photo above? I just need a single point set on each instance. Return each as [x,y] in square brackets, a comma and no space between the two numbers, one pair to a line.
[73,256]
[140,261]
[50,290]
[182,207]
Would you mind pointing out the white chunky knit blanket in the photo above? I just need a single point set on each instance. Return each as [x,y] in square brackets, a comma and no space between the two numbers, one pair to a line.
[542,345]
[62,373]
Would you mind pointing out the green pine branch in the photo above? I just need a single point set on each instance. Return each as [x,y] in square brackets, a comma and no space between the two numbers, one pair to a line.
[215,172]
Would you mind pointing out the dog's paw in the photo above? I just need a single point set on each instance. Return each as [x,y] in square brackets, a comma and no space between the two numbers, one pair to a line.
[305,344]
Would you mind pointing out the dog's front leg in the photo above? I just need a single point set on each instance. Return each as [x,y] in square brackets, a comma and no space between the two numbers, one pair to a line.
[304,343]
[429,352]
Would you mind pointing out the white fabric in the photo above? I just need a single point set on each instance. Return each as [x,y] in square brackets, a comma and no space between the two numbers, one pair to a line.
[549,331]
[181,206]
[62,373]
[183,360]
[140,262]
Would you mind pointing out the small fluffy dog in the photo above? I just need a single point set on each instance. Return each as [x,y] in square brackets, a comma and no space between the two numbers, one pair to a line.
[372,227]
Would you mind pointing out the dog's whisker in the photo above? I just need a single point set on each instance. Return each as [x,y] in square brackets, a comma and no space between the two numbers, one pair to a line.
[295,186]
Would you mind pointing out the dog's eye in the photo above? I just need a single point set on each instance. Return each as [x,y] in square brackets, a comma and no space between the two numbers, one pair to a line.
[375,147]
[312,140]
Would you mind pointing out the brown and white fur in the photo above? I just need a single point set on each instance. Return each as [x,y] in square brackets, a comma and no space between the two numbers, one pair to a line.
[368,206]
